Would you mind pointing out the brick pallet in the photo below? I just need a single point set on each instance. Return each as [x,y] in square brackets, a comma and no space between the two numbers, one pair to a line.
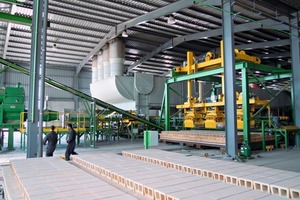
[273,181]
[206,137]
[162,183]
[53,178]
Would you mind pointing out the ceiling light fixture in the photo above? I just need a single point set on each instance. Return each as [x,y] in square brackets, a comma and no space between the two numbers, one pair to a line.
[125,34]
[171,20]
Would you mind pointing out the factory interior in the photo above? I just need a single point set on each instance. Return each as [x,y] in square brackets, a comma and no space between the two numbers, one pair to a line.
[170,99]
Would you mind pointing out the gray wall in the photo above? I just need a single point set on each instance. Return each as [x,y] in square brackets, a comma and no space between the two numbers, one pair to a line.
[57,99]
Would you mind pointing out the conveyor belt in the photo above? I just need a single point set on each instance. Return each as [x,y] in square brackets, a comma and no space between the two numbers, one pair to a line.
[82,95]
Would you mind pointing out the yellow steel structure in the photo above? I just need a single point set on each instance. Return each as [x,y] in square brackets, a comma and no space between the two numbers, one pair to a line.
[78,119]
[211,114]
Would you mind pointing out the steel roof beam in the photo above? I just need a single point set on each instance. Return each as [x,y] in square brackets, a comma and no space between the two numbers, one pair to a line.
[196,36]
[259,45]
[276,55]
[13,2]
[8,30]
[15,19]
[117,30]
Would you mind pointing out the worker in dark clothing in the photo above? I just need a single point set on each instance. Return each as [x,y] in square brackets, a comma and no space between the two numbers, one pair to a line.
[51,138]
[71,140]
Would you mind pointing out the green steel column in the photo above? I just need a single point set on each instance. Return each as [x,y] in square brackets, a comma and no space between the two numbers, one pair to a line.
[35,60]
[24,141]
[286,139]
[294,36]
[167,107]
[162,109]
[21,140]
[146,139]
[263,135]
[10,138]
[276,139]
[245,106]
[230,85]
[94,121]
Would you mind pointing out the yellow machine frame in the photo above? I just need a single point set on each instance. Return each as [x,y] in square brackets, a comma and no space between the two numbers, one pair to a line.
[211,114]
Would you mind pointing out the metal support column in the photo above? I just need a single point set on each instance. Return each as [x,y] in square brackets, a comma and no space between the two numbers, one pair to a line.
[32,125]
[296,74]
[10,145]
[167,107]
[93,125]
[229,72]
[42,79]
[246,110]
[76,99]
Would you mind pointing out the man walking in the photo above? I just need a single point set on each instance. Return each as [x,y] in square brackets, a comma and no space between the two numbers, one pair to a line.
[51,138]
[71,140]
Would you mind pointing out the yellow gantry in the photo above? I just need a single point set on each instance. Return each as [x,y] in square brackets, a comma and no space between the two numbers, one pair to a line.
[211,114]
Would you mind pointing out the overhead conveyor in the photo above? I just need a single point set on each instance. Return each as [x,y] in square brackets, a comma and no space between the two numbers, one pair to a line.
[82,95]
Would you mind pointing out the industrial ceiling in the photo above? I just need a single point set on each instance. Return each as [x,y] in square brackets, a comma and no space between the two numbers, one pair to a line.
[79,29]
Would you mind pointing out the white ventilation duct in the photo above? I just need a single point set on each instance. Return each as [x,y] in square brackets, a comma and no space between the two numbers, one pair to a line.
[116,57]
[94,69]
[100,66]
[106,63]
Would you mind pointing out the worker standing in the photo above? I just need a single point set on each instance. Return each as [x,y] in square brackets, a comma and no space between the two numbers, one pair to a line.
[71,140]
[51,138]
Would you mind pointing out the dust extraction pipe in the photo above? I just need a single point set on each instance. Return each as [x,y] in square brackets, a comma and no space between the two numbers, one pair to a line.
[116,57]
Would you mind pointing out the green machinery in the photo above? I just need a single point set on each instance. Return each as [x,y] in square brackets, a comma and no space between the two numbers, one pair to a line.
[11,105]
[11,108]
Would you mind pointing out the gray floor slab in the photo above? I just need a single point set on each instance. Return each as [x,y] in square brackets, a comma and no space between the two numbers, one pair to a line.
[279,159]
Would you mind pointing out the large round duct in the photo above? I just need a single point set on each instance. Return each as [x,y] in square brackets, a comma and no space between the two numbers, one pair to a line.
[94,69]
[100,66]
[116,57]
[106,63]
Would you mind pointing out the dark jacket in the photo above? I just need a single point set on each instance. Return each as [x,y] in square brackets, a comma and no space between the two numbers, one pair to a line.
[71,137]
[51,138]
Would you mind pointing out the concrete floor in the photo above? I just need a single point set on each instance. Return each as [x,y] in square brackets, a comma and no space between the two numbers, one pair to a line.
[278,159]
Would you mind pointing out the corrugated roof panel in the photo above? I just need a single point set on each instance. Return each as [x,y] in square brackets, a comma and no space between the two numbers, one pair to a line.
[21,35]
[78,11]
[64,56]
[76,27]
[16,54]
[18,50]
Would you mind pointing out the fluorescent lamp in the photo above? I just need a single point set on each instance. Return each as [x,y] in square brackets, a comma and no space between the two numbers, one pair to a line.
[124,34]
[171,20]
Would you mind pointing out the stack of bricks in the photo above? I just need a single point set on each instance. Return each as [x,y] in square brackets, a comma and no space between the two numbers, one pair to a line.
[209,137]
[273,181]
[53,178]
[160,182]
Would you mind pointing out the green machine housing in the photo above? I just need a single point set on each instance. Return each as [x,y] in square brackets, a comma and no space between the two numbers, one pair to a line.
[11,105]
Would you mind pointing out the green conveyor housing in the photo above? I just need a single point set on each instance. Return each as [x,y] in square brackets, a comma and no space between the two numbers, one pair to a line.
[11,105]
[82,95]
